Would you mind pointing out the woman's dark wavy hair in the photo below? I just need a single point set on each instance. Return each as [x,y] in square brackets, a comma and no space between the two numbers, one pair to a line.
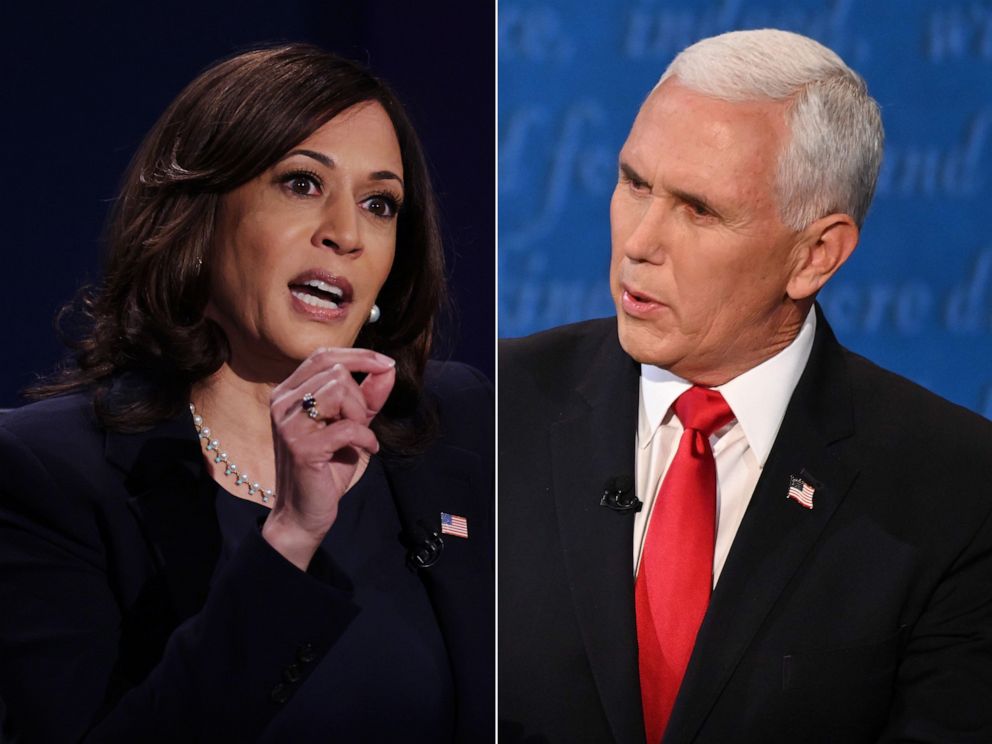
[146,320]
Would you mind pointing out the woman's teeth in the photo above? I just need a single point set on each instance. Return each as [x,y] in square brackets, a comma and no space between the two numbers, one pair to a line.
[315,301]
[318,293]
[325,287]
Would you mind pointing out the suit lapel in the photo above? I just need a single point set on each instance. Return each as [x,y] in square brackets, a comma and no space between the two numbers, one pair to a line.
[171,496]
[776,533]
[593,442]
[449,479]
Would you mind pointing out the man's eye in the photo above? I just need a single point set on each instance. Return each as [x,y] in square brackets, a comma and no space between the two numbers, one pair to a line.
[638,186]
[381,205]
[699,210]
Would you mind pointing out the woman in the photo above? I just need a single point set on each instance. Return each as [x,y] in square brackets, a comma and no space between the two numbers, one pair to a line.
[207,529]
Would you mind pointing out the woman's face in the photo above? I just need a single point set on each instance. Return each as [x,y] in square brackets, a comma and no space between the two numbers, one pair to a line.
[302,250]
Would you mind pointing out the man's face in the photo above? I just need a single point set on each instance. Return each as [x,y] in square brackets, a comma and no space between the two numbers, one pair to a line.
[701,259]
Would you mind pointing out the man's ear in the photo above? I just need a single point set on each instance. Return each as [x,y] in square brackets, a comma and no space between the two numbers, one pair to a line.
[823,248]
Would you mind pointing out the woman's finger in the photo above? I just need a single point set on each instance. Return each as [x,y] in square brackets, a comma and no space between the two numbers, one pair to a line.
[333,400]
[372,393]
[354,360]
[322,445]
[286,401]
[376,388]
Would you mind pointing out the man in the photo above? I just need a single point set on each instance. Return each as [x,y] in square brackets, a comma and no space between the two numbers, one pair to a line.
[809,554]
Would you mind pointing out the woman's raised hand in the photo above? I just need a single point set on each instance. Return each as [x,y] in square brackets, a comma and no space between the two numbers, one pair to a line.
[320,445]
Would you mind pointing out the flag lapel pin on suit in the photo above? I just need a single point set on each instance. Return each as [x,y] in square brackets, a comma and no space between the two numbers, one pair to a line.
[801,492]
[452,524]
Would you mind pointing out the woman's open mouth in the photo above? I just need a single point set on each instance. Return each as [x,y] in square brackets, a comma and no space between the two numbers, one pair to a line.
[321,294]
[318,293]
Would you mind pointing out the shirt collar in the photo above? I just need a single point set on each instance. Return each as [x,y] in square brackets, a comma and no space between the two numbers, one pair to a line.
[757,397]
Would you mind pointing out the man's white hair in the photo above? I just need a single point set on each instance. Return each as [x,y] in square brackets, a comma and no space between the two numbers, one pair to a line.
[831,162]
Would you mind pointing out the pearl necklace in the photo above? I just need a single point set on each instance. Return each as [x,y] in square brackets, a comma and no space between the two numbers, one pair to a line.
[230,469]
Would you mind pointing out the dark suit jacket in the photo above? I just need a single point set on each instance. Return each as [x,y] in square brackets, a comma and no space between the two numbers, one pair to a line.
[111,621]
[866,618]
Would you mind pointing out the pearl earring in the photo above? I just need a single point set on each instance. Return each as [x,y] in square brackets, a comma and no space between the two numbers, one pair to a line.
[374,313]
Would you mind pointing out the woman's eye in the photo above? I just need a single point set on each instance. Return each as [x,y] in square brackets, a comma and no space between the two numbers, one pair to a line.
[302,184]
[381,205]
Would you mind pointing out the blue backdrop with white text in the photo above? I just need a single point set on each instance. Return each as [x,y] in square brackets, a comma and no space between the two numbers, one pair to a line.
[916,297]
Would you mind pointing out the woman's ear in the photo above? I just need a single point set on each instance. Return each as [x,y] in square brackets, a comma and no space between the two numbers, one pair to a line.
[823,248]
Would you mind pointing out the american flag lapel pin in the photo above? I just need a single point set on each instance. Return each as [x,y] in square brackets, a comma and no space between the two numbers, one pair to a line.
[800,491]
[452,524]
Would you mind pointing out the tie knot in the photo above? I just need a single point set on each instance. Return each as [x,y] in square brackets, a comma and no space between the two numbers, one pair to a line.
[703,409]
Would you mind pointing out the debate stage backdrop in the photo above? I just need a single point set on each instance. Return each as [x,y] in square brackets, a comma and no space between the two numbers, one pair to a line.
[83,82]
[916,297]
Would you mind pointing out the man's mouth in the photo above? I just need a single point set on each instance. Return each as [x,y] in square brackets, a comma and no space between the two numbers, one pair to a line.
[638,304]
[637,295]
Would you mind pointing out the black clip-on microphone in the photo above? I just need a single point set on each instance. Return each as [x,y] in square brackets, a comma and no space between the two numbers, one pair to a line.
[423,543]
[618,494]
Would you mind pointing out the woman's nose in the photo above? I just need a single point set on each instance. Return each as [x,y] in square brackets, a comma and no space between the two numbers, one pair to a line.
[338,229]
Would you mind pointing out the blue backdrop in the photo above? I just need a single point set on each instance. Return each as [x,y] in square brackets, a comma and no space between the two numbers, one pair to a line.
[916,296]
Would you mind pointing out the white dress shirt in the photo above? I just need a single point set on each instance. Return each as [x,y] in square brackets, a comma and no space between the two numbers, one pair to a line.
[758,399]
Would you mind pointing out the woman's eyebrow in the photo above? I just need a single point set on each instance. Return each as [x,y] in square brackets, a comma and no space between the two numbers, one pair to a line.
[382,175]
[385,175]
[318,156]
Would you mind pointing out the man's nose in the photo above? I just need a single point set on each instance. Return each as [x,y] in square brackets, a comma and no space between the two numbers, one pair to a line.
[646,241]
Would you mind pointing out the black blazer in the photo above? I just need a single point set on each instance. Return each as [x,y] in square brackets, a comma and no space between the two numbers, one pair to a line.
[867,618]
[112,625]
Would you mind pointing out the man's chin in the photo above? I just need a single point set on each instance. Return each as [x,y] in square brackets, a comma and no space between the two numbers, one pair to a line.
[644,345]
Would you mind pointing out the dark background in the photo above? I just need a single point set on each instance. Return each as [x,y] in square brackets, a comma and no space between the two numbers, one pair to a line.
[83,82]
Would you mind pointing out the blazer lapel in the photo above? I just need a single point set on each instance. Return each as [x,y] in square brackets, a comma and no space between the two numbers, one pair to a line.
[449,479]
[776,533]
[592,443]
[172,498]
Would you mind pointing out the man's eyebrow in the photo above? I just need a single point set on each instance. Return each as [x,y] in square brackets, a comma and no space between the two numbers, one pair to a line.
[686,196]
[628,171]
[382,175]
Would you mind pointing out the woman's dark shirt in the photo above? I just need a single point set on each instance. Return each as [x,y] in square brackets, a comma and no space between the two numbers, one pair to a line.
[392,655]
[116,625]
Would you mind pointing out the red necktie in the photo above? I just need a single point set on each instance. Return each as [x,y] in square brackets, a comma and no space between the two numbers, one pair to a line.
[676,574]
